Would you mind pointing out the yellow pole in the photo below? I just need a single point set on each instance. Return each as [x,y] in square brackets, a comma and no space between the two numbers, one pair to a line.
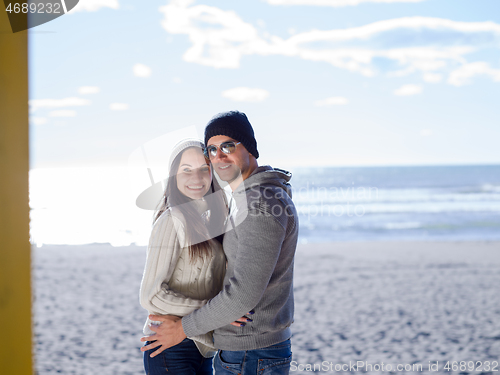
[15,258]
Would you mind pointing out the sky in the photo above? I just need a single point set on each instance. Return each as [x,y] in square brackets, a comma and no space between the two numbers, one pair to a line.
[114,84]
[323,82]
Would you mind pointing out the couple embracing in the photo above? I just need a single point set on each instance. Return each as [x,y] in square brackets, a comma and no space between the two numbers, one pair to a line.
[219,269]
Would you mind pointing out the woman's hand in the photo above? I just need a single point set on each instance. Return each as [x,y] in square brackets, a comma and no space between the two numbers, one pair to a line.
[243,320]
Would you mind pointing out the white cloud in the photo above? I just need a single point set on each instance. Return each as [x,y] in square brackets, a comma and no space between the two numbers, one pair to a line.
[118,106]
[463,75]
[426,55]
[426,132]
[94,5]
[334,100]
[432,77]
[63,113]
[35,104]
[246,94]
[412,23]
[335,3]
[177,80]
[38,120]
[141,70]
[84,90]
[220,43]
[407,90]
[399,46]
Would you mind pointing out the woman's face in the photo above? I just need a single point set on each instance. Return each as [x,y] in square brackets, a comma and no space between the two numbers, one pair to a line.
[193,176]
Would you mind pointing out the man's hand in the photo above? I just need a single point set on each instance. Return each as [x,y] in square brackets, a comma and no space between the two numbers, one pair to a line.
[168,333]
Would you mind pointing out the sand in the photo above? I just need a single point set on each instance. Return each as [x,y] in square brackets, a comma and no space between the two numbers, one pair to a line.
[374,302]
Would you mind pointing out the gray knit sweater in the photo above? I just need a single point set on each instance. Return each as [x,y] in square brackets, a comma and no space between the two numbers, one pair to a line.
[260,248]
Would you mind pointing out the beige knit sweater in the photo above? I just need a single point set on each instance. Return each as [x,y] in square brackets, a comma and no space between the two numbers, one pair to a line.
[172,284]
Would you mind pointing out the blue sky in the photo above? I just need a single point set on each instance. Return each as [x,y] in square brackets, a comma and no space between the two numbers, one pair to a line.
[332,82]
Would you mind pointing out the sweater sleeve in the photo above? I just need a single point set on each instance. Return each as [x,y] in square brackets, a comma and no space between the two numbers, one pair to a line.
[164,250]
[254,265]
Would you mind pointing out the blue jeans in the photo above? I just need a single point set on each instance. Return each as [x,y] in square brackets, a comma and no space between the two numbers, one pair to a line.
[181,359]
[274,359]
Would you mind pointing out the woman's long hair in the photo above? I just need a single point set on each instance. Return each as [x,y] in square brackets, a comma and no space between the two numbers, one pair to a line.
[198,230]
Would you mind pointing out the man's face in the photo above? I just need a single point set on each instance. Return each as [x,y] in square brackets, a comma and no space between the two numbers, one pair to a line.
[230,166]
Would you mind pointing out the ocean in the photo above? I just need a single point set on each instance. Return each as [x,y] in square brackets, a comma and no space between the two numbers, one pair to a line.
[443,203]
[435,203]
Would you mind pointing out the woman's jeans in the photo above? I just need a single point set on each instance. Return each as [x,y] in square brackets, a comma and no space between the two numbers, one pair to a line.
[181,359]
[274,359]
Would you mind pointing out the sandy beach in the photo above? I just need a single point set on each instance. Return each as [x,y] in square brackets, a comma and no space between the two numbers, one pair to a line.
[375,302]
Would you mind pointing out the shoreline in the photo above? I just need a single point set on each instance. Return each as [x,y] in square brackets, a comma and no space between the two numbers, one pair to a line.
[299,244]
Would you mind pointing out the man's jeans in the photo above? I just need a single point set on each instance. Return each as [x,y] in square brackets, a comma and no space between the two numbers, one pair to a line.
[274,359]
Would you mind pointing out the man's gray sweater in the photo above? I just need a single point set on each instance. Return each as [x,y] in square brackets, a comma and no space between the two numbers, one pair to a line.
[260,247]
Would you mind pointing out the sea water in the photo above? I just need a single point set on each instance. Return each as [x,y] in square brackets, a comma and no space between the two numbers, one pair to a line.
[449,203]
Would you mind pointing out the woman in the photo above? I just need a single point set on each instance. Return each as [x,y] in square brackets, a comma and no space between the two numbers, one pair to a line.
[185,263]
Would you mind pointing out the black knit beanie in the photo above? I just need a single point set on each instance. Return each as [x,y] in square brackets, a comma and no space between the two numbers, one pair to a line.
[233,124]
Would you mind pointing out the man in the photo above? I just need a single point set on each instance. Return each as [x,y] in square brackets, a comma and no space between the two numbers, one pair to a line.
[260,245]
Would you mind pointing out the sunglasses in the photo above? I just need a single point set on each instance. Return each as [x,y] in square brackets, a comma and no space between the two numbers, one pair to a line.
[226,147]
